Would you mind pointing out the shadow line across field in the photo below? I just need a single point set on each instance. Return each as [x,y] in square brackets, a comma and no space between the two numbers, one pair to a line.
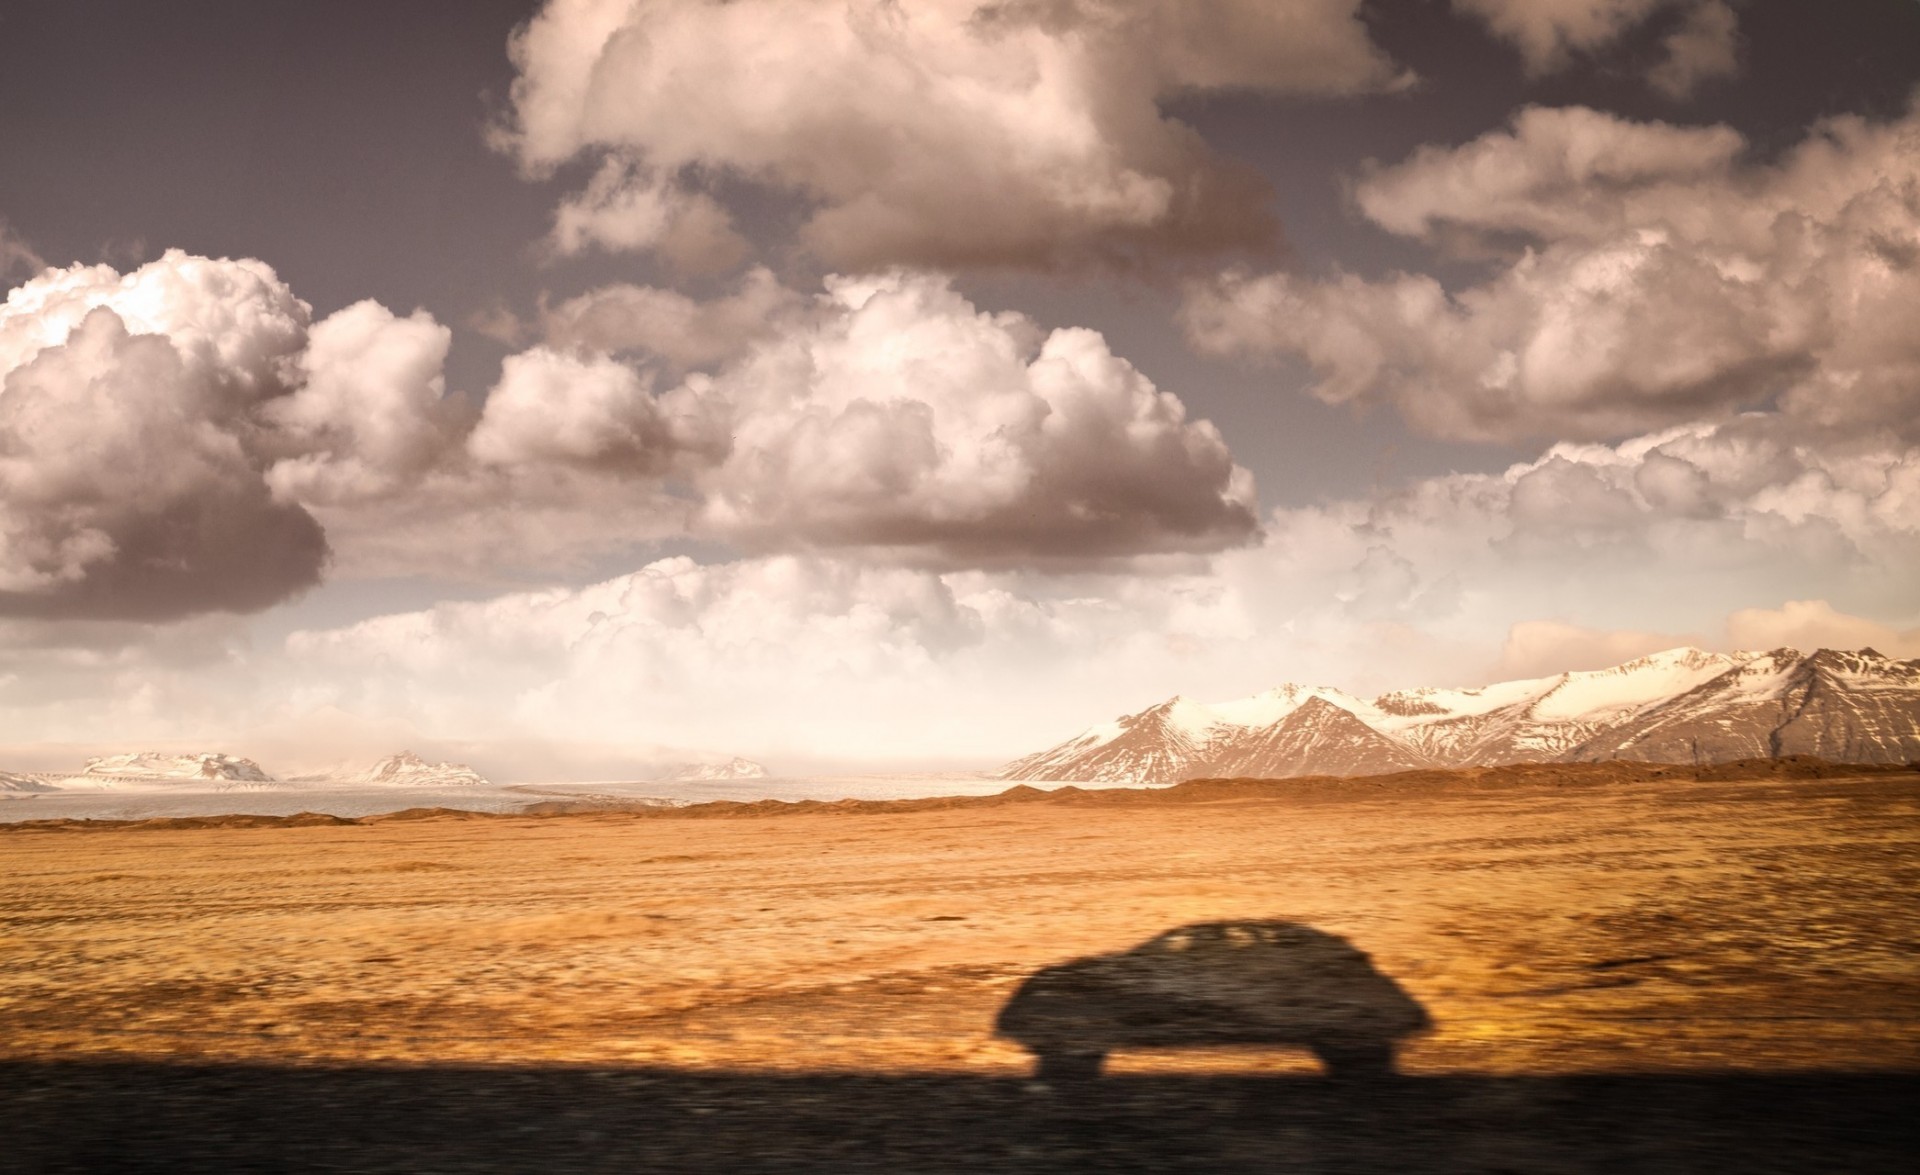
[135,1117]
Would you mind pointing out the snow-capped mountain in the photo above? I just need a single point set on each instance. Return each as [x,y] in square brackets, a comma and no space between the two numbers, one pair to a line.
[1679,706]
[407,769]
[157,765]
[12,783]
[734,768]
[1854,707]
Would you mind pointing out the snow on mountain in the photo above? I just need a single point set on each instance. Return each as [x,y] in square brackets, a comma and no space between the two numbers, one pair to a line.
[1163,744]
[734,768]
[1851,707]
[1174,740]
[146,770]
[157,765]
[12,784]
[1317,738]
[407,769]
[1681,705]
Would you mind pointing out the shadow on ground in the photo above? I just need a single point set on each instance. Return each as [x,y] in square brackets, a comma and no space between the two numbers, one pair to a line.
[1215,985]
[1220,984]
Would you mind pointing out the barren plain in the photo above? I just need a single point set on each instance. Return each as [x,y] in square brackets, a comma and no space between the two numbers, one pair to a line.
[1701,972]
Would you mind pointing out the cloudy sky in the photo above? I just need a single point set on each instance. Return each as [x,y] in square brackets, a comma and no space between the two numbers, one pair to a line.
[872,384]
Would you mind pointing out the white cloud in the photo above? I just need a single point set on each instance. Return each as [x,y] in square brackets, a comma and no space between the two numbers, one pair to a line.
[1602,552]
[666,323]
[592,412]
[182,439]
[1599,551]
[130,481]
[906,419]
[1560,172]
[370,414]
[1658,279]
[888,417]
[1550,33]
[945,133]
[628,207]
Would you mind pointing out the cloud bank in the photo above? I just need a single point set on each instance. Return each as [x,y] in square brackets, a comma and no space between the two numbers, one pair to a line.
[1645,275]
[184,439]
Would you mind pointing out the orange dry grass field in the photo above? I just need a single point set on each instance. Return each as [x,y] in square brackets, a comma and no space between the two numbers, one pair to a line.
[1671,925]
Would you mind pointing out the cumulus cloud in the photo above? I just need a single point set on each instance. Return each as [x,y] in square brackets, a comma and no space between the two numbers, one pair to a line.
[888,416]
[1021,132]
[183,438]
[131,483]
[370,412]
[1549,34]
[652,321]
[1645,275]
[556,408]
[906,419]
[627,206]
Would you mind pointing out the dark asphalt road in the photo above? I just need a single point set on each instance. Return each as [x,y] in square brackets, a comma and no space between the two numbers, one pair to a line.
[115,1117]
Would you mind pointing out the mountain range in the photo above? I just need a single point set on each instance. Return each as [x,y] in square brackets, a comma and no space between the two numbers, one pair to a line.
[214,771]
[1679,706]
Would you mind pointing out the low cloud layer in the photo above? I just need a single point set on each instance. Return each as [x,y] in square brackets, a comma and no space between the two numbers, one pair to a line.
[1017,132]
[1735,535]
[1644,275]
[1453,579]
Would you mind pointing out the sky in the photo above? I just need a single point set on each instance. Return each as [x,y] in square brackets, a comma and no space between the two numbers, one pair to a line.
[577,387]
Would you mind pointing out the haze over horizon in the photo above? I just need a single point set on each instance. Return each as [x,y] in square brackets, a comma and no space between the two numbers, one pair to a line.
[875,386]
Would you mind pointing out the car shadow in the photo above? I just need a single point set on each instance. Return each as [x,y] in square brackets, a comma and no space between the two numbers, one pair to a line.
[1236,984]
[1212,985]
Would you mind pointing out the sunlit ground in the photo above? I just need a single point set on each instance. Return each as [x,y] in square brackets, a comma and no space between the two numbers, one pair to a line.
[1675,926]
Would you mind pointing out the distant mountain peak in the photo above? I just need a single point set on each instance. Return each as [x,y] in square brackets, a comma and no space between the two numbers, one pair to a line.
[407,769]
[1677,705]
[734,768]
[162,765]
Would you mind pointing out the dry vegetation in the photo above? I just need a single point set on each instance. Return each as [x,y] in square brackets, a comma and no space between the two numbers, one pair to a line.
[1560,921]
